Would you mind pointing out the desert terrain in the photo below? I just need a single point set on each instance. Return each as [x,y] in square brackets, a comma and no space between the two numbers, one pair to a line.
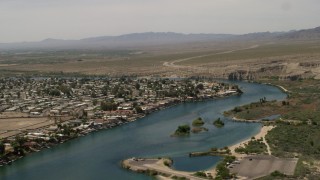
[252,56]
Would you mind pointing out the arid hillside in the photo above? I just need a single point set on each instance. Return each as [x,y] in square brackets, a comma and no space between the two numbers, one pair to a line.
[287,55]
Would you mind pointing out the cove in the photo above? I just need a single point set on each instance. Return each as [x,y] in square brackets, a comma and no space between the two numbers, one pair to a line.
[98,155]
[192,164]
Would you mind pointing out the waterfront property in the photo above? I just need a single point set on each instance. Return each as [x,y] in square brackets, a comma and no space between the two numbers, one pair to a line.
[50,111]
[100,153]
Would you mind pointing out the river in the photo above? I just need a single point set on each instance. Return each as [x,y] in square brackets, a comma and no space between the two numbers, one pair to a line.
[98,155]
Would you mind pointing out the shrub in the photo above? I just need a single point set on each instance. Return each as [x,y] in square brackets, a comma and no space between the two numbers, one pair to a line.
[200,174]
[198,122]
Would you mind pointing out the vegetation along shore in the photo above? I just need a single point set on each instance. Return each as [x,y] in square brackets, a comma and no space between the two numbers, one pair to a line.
[285,124]
[43,112]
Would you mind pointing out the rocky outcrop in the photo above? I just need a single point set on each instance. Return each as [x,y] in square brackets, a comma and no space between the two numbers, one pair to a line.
[276,69]
[241,75]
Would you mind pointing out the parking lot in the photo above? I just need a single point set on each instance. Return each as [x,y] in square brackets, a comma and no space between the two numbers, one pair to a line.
[253,167]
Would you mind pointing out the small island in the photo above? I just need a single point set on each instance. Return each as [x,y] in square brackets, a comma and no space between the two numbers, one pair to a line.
[218,123]
[198,122]
[182,130]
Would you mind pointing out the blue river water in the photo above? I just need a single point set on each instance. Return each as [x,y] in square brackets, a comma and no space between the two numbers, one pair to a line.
[192,164]
[98,155]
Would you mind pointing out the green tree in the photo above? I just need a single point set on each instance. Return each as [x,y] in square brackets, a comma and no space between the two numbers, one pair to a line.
[138,109]
[94,102]
[104,90]
[218,123]
[198,122]
[1,148]
[183,130]
[137,86]
[54,92]
[65,90]
[200,86]
[108,106]
[93,95]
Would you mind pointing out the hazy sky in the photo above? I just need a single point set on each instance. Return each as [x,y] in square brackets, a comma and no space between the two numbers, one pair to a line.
[33,20]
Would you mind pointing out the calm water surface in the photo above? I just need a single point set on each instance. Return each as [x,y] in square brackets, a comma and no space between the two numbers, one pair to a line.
[98,155]
[192,164]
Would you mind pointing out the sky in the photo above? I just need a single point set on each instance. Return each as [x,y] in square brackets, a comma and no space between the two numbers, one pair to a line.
[35,20]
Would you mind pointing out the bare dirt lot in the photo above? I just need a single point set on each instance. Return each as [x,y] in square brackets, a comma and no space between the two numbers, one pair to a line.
[13,126]
[12,123]
[252,167]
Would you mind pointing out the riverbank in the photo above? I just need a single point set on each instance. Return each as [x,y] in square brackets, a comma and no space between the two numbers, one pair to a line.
[162,170]
[230,151]
[261,134]
[59,135]
[283,89]
[147,137]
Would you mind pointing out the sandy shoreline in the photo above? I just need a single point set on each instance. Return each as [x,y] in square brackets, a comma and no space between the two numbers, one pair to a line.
[261,134]
[141,165]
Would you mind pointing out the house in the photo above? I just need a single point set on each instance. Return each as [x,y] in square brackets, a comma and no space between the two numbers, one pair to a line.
[76,122]
[8,148]
[30,144]
[35,113]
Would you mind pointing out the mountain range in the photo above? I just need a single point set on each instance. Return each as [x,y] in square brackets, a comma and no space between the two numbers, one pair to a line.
[136,40]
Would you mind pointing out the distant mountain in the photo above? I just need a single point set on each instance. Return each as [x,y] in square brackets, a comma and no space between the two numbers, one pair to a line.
[123,41]
[261,35]
[137,40]
[306,34]
[159,37]
[152,38]
[50,40]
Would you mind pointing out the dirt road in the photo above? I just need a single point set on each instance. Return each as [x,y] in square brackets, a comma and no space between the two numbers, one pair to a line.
[174,65]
